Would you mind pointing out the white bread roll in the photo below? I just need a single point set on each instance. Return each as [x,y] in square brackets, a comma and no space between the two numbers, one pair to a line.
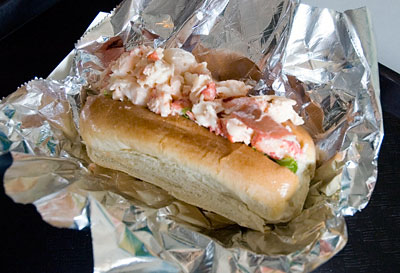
[195,165]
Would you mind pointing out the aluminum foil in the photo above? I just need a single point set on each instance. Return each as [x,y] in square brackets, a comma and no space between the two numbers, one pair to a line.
[323,59]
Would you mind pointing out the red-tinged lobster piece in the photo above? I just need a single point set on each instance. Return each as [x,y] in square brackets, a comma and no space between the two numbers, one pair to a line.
[209,92]
[275,148]
[250,111]
[179,105]
[190,115]
[153,56]
[269,137]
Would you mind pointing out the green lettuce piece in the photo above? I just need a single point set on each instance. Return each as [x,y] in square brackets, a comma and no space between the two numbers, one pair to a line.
[289,163]
[107,93]
[184,110]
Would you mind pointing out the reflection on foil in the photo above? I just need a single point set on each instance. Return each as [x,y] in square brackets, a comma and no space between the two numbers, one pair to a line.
[323,59]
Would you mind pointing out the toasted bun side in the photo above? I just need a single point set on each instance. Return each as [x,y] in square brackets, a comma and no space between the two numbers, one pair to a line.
[191,163]
[177,183]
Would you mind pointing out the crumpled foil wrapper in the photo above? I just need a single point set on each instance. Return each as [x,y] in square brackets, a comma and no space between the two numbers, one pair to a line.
[323,59]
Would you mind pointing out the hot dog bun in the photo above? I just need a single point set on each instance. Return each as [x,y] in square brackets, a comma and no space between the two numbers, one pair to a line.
[194,165]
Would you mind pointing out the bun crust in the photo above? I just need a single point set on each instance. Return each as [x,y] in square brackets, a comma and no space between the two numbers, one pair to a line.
[194,165]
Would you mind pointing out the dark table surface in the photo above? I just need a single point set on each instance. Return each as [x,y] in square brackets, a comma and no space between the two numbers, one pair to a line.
[30,245]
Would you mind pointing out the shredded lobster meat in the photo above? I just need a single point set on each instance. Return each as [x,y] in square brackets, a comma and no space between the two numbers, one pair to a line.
[172,82]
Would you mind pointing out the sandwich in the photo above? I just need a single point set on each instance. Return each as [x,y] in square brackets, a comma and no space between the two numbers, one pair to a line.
[161,116]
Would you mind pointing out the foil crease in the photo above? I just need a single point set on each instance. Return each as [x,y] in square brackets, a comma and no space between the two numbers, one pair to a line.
[323,59]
